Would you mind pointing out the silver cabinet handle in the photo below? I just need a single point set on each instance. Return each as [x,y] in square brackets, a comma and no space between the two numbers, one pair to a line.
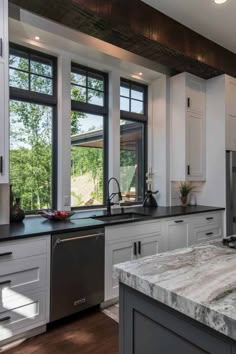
[59,240]
[1,53]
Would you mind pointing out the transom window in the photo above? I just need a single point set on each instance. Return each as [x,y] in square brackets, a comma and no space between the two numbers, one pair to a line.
[132,97]
[29,71]
[87,86]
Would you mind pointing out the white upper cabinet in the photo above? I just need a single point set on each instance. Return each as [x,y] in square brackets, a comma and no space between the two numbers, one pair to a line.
[4,89]
[187,127]
[230,113]
[195,94]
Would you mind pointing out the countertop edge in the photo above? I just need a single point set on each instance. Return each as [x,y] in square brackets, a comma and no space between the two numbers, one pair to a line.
[11,233]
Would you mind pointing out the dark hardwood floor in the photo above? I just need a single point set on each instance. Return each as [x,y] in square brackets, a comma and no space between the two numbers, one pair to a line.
[90,333]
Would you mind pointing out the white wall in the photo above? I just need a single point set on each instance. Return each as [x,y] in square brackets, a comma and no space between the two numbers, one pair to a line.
[159,138]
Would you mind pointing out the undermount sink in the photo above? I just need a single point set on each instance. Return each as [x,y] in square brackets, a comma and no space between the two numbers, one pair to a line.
[120,217]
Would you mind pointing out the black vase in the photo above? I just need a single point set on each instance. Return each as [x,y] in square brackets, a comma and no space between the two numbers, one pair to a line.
[150,201]
[16,213]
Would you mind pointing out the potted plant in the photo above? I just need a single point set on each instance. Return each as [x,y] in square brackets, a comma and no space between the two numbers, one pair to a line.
[184,189]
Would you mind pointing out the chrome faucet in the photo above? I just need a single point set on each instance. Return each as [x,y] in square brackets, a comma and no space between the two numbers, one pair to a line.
[112,195]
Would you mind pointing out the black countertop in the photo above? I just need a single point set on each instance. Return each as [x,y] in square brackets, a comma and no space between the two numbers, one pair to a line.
[38,226]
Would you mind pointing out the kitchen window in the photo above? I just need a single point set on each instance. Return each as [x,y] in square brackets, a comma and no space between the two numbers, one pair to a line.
[133,141]
[89,123]
[33,102]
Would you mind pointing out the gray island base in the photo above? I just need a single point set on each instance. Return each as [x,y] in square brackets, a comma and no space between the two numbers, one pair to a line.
[180,302]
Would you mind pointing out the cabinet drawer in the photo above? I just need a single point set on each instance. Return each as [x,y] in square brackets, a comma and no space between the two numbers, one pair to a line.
[11,251]
[20,276]
[206,219]
[203,234]
[15,321]
[132,230]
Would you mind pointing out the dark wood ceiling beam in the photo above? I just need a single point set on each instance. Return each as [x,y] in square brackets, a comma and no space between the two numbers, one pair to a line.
[137,27]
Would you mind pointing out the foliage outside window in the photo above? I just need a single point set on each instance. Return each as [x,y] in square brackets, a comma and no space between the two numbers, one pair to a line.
[133,103]
[88,143]
[32,105]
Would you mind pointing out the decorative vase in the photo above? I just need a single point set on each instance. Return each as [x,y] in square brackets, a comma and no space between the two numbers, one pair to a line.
[150,201]
[184,201]
[17,214]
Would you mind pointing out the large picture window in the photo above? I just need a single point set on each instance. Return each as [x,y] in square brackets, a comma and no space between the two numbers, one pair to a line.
[32,78]
[88,137]
[133,105]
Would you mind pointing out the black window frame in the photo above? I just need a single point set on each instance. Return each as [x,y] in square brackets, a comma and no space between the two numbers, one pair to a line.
[90,108]
[138,118]
[28,96]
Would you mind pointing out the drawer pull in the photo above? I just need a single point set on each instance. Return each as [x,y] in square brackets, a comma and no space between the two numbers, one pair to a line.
[5,254]
[210,218]
[178,221]
[135,248]
[209,233]
[7,318]
[139,247]
[5,282]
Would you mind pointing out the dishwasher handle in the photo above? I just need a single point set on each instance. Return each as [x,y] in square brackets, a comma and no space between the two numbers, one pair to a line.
[59,240]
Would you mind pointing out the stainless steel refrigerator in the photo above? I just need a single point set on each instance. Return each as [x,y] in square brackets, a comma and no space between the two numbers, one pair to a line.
[231,192]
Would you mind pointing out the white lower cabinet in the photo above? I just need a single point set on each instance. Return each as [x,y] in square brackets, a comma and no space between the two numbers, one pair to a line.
[24,286]
[176,234]
[127,242]
[148,246]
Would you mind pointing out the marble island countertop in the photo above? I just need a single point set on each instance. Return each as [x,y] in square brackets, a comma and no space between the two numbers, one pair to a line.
[199,282]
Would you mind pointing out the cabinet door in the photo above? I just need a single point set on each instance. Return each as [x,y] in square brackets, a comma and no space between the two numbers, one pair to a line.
[195,90]
[1,26]
[149,246]
[231,99]
[231,132]
[114,254]
[176,234]
[195,147]
[3,125]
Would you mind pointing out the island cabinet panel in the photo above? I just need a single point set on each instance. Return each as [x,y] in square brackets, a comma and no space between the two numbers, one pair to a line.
[147,326]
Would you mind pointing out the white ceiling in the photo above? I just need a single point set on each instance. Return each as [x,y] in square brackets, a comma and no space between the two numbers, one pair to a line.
[216,22]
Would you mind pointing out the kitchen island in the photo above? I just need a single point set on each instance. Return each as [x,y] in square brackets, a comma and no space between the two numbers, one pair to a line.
[179,302]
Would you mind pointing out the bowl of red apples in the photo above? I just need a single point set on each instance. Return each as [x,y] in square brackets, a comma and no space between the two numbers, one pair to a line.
[56,215]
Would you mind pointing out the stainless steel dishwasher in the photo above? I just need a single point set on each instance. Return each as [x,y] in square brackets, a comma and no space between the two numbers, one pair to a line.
[77,272]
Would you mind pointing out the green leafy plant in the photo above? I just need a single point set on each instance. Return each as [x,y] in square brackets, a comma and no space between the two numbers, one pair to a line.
[185,188]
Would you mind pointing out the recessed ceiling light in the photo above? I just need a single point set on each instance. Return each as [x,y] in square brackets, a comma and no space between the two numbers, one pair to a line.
[37,38]
[140,74]
[220,1]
